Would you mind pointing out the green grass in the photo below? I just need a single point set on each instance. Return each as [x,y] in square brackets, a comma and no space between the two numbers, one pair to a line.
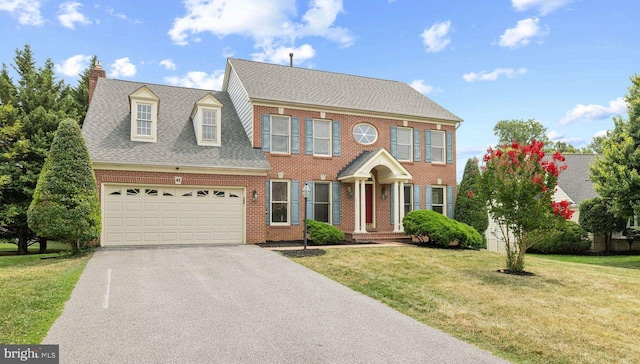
[619,261]
[33,292]
[566,313]
[52,247]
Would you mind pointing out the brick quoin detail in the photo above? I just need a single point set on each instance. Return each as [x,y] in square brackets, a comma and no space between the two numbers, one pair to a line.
[302,167]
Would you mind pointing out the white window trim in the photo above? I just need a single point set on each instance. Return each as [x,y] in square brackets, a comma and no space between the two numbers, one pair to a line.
[134,121]
[444,146]
[410,187]
[218,123]
[271,134]
[271,202]
[328,122]
[444,198]
[330,204]
[367,125]
[410,145]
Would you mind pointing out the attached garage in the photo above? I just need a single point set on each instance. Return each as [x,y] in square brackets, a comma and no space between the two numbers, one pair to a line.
[148,215]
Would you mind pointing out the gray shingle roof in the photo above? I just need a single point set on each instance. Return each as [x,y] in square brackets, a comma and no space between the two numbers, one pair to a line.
[272,82]
[575,181]
[359,161]
[107,129]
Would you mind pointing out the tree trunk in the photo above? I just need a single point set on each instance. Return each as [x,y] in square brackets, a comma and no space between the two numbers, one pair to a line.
[23,240]
[607,242]
[43,245]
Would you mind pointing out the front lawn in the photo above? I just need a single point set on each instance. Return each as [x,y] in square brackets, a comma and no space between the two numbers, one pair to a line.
[52,247]
[33,292]
[620,261]
[566,313]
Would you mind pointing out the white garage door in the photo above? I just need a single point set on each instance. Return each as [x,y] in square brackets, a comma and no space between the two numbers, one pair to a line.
[144,215]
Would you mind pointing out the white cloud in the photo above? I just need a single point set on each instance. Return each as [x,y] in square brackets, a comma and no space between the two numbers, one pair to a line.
[198,79]
[543,6]
[122,67]
[594,112]
[554,135]
[420,86]
[73,65]
[436,38]
[522,33]
[281,54]
[493,75]
[68,15]
[601,133]
[168,64]
[26,11]
[272,24]
[112,12]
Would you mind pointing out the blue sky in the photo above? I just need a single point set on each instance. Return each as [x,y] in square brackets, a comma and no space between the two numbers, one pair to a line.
[564,63]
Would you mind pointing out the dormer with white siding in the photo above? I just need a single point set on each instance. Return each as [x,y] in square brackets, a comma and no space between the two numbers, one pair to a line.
[143,107]
[206,117]
[240,99]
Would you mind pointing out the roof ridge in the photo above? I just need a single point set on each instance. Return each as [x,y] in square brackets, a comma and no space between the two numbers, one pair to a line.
[160,84]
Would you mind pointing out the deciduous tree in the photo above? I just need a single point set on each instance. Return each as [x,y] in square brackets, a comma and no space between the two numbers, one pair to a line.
[517,183]
[65,204]
[520,131]
[616,174]
[597,217]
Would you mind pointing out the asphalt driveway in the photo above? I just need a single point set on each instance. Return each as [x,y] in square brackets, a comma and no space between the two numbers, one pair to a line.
[234,304]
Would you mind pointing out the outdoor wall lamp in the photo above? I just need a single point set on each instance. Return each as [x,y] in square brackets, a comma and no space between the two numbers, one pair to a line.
[385,194]
[349,192]
[254,195]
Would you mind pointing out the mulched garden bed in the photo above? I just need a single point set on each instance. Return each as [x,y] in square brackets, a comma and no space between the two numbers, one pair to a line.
[303,253]
[521,273]
[300,243]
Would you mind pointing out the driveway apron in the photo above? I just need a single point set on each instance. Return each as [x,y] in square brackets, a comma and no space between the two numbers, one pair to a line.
[234,304]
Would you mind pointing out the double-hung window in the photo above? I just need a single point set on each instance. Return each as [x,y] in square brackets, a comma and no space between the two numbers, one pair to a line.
[405,144]
[209,125]
[280,203]
[322,202]
[438,199]
[280,134]
[437,146]
[322,137]
[143,120]
[408,199]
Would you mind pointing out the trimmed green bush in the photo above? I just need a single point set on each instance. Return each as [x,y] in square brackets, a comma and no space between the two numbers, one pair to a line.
[470,208]
[65,203]
[430,226]
[323,234]
[567,237]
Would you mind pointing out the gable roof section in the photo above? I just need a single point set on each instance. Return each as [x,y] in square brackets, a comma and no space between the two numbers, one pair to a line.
[106,129]
[361,166]
[293,85]
[575,181]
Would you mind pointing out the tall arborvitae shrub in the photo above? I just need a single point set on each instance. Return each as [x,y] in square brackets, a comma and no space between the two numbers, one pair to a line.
[470,207]
[65,204]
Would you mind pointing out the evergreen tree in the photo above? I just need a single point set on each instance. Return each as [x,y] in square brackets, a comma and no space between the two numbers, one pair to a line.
[81,92]
[616,173]
[32,108]
[65,203]
[470,207]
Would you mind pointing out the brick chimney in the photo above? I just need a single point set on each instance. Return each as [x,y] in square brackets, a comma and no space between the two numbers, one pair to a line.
[95,73]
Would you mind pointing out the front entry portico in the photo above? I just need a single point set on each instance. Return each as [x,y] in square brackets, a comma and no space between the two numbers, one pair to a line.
[389,171]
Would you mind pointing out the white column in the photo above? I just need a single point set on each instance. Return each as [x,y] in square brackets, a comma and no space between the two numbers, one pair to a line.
[363,207]
[356,209]
[401,227]
[396,208]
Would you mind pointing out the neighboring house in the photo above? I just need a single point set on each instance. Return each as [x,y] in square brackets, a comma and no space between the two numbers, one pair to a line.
[575,186]
[179,166]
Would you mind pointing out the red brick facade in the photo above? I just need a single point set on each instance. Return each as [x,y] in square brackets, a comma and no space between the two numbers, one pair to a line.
[302,167]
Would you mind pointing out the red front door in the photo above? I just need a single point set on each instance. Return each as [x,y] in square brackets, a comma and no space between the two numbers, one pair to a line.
[368,192]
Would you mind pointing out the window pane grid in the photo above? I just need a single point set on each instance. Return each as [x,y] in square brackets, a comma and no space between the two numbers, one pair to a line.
[404,144]
[322,202]
[437,199]
[280,134]
[143,119]
[437,146]
[321,137]
[279,202]
[408,199]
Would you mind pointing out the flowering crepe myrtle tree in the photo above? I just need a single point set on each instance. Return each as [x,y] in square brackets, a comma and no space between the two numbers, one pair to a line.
[517,183]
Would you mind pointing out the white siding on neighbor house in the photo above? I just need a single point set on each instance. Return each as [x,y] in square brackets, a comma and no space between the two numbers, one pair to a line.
[241,102]
[495,240]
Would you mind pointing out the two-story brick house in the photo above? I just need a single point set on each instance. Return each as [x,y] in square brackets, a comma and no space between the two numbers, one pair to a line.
[178,166]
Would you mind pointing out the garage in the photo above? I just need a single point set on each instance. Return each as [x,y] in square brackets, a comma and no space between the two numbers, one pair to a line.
[148,215]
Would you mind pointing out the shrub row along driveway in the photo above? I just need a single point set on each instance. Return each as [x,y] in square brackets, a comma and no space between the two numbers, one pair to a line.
[234,304]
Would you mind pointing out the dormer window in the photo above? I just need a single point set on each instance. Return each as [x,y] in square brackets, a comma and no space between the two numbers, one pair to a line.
[206,116]
[144,115]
